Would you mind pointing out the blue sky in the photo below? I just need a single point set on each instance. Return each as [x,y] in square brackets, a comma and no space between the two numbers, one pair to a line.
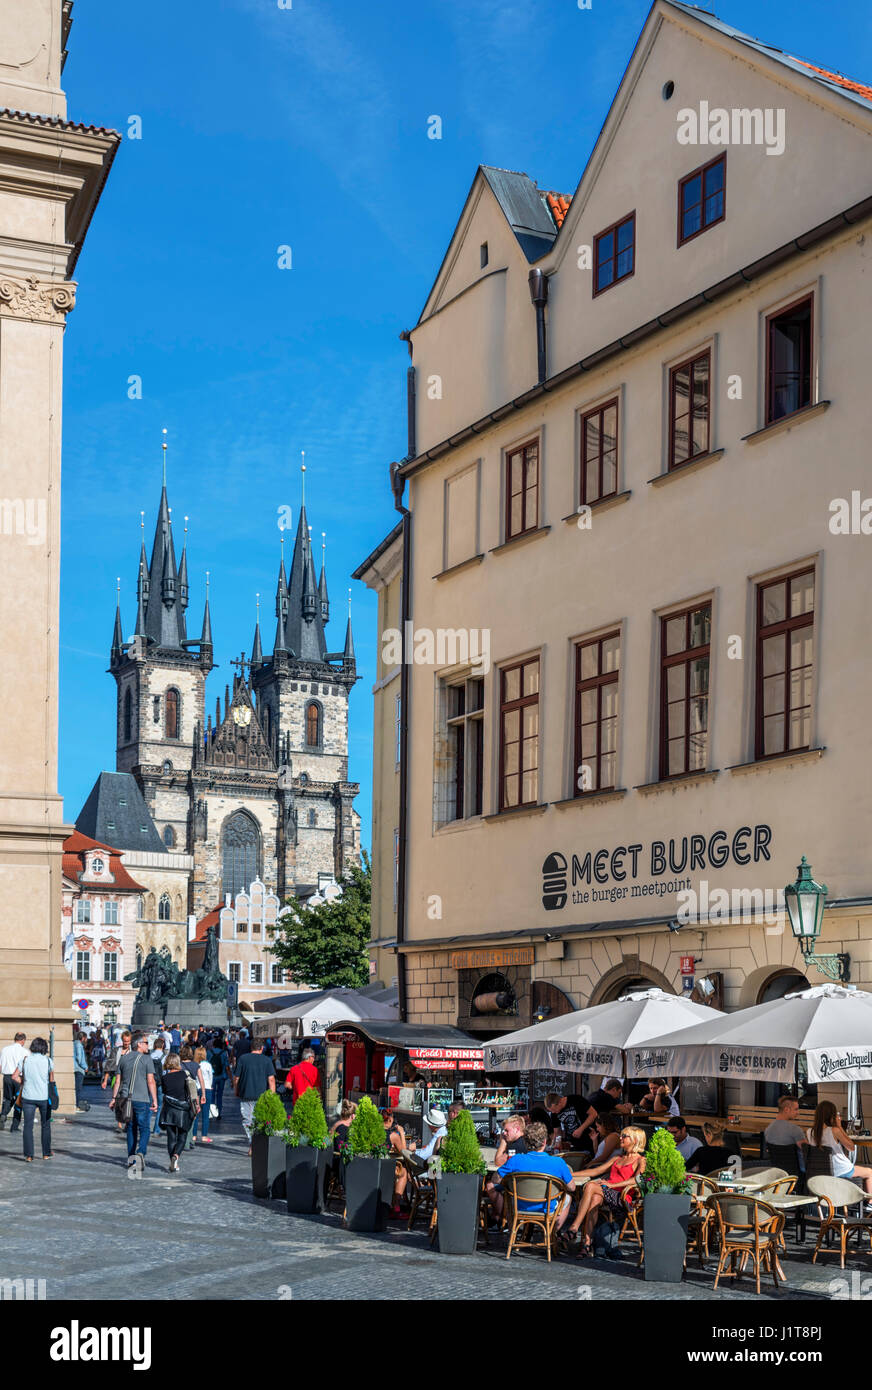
[305,127]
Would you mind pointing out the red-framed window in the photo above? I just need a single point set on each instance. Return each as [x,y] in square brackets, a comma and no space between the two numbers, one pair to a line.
[597,664]
[785,663]
[522,489]
[789,359]
[702,199]
[519,734]
[690,409]
[599,452]
[614,254]
[685,653]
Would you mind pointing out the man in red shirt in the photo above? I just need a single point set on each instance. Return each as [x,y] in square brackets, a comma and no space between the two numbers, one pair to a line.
[302,1076]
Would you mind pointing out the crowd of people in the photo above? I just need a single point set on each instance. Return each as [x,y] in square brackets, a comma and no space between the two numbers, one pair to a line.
[162,1080]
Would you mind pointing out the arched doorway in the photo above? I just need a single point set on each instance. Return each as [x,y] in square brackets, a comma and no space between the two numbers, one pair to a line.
[631,974]
[786,980]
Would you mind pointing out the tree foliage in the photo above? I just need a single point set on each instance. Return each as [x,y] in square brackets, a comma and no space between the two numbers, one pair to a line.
[664,1169]
[366,1134]
[269,1116]
[326,945]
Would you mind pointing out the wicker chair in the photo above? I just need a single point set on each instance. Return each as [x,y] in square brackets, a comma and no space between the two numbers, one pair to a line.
[838,1196]
[701,1216]
[422,1192]
[818,1163]
[548,1192]
[747,1228]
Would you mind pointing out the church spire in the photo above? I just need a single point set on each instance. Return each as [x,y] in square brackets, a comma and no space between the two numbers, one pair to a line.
[183,570]
[164,621]
[348,658]
[281,642]
[304,627]
[206,634]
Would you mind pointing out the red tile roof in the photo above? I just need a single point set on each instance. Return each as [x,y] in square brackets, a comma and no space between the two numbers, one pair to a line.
[838,79]
[558,206]
[210,920]
[75,847]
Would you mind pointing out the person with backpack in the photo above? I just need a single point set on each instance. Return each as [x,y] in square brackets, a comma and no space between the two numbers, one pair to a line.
[134,1098]
[111,1073]
[80,1067]
[220,1059]
[37,1079]
[158,1056]
[98,1052]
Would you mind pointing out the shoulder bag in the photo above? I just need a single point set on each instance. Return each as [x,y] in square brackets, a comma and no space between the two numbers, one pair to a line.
[125,1113]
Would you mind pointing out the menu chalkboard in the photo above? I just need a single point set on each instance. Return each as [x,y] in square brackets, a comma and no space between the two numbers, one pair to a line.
[538,1083]
[699,1095]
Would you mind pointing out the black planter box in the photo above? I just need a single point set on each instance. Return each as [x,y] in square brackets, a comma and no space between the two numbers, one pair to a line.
[267,1165]
[458,1199]
[665,1219]
[369,1191]
[305,1175]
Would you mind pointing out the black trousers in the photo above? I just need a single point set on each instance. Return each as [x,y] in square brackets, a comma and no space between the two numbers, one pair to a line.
[176,1137]
[9,1090]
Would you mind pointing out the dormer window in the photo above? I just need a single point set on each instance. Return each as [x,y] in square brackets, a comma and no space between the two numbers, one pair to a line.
[97,866]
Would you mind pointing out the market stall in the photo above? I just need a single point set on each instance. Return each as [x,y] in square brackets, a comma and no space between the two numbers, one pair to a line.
[412,1068]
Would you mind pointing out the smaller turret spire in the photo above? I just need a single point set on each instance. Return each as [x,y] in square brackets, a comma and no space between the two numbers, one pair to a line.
[256,648]
[322,582]
[348,657]
[117,635]
[183,571]
[206,635]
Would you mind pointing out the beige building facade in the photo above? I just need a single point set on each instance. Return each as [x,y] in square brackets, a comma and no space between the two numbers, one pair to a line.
[639,669]
[382,571]
[53,171]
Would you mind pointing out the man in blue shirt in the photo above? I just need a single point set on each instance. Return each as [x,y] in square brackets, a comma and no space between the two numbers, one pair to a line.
[537,1161]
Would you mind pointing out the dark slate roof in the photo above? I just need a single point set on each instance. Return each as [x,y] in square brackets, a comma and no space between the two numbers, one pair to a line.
[525,209]
[405,1034]
[116,814]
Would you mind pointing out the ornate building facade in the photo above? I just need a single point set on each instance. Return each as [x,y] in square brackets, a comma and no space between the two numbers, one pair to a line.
[100,905]
[260,790]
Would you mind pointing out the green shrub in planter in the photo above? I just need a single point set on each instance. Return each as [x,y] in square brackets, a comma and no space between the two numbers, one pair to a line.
[366,1134]
[460,1151]
[458,1187]
[307,1123]
[269,1117]
[664,1170]
[665,1211]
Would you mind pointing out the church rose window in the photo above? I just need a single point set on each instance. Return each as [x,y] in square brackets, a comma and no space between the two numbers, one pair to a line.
[241,846]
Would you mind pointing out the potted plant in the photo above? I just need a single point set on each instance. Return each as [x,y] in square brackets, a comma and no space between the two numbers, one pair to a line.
[268,1146]
[666,1210]
[306,1154]
[369,1173]
[458,1187]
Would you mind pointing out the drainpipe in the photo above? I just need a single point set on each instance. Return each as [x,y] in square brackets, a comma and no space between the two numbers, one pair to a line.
[398,486]
[538,282]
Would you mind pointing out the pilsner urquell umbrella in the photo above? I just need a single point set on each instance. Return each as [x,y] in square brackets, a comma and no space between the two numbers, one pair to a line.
[594,1040]
[831,1024]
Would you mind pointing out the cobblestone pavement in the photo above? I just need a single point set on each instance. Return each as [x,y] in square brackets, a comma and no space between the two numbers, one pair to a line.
[78,1223]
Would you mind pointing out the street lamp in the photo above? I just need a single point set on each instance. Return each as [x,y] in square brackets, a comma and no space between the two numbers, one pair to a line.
[805,902]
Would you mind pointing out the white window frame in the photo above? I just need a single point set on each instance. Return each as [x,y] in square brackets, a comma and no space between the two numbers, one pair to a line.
[83,911]
[255,966]
[234,971]
[83,957]
[107,955]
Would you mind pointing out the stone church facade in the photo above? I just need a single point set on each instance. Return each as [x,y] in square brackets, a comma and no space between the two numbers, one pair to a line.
[257,788]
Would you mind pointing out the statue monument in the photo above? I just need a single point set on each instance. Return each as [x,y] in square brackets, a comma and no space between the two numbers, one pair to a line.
[185,997]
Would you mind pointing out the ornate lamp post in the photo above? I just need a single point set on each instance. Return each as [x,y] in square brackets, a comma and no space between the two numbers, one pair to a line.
[805,902]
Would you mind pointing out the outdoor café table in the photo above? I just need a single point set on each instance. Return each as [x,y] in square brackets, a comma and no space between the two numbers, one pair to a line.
[742,1185]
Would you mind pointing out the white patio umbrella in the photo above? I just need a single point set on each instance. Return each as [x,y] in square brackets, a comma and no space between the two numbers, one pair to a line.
[831,1024]
[594,1040]
[315,1015]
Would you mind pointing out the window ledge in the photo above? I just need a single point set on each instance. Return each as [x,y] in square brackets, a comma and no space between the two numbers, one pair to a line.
[519,540]
[602,504]
[787,422]
[589,798]
[687,779]
[801,755]
[513,811]
[461,565]
[450,827]
[690,467]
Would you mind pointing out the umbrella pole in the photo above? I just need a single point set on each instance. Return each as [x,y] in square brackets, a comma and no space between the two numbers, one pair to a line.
[854,1113]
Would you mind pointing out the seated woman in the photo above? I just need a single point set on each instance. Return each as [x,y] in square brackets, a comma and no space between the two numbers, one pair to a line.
[608,1131]
[827,1133]
[713,1154]
[659,1100]
[615,1192]
[395,1139]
